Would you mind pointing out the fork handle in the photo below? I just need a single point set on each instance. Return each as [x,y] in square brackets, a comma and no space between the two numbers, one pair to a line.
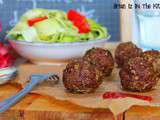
[14,99]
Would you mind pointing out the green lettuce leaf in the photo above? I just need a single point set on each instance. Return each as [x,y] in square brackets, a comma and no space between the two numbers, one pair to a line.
[57,28]
[97,30]
[30,34]
[19,28]
[34,13]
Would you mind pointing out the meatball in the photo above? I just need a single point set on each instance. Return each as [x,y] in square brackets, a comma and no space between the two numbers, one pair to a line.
[125,51]
[154,57]
[151,55]
[138,75]
[102,59]
[80,76]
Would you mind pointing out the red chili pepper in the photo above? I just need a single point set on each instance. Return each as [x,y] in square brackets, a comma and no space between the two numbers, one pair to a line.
[85,29]
[31,22]
[115,95]
[79,21]
[71,15]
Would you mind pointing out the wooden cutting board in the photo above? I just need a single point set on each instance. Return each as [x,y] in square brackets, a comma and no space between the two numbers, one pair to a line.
[37,107]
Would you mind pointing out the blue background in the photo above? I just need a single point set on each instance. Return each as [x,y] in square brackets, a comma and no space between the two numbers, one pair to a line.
[101,10]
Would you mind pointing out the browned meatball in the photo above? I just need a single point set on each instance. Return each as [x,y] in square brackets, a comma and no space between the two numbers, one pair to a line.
[102,59]
[80,76]
[125,51]
[151,55]
[154,57]
[138,75]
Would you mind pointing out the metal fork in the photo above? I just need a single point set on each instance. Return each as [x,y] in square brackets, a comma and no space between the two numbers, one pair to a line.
[35,80]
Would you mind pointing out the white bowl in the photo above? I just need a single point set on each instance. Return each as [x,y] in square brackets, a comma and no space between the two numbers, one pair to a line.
[54,53]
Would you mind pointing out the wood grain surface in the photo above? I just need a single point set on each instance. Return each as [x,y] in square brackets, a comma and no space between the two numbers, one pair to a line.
[143,113]
[36,107]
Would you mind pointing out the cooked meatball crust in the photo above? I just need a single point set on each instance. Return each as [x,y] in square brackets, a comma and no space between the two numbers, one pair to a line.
[102,59]
[139,75]
[80,76]
[154,57]
[125,51]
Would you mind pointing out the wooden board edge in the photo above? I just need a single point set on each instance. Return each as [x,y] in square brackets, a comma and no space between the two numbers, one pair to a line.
[50,115]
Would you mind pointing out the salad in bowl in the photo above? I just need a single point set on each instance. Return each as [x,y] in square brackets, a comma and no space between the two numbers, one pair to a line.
[45,35]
